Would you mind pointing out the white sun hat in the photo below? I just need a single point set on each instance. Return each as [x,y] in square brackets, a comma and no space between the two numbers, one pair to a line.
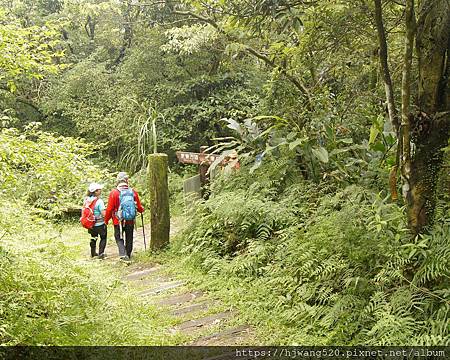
[93,187]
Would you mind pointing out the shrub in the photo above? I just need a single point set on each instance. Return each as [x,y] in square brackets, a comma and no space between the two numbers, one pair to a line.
[47,171]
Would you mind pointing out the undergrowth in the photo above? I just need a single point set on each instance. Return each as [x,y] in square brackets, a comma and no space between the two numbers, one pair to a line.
[315,264]
[52,294]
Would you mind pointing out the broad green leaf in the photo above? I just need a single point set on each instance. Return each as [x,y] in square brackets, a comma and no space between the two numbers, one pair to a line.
[373,134]
[379,146]
[294,144]
[320,153]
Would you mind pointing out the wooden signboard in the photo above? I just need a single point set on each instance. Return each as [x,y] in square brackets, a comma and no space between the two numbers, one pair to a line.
[196,158]
[202,159]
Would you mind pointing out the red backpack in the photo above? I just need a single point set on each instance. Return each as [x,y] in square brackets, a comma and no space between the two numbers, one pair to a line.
[87,214]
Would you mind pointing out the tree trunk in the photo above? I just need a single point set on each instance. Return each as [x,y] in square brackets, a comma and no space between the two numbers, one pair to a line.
[430,124]
[159,201]
[389,91]
[383,54]
[410,23]
[127,32]
[90,27]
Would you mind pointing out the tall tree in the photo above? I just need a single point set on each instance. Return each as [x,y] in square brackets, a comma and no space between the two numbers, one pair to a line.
[425,126]
[430,120]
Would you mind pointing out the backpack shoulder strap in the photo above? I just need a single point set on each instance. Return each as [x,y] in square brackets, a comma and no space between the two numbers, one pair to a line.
[92,203]
[126,191]
[89,203]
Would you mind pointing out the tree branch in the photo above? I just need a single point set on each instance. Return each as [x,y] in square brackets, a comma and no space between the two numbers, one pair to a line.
[127,35]
[199,17]
[383,54]
[291,78]
[297,83]
[23,101]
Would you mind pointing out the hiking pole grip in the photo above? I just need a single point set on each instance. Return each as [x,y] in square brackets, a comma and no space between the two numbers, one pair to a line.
[143,231]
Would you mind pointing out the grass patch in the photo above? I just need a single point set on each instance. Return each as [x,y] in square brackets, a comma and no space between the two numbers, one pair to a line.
[52,294]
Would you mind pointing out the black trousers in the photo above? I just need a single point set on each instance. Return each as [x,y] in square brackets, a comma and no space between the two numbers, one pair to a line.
[95,232]
[127,248]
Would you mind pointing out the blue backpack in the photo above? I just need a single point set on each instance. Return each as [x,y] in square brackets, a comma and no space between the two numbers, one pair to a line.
[127,207]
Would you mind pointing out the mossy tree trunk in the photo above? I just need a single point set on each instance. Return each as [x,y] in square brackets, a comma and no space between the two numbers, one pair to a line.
[159,201]
[430,121]
[425,127]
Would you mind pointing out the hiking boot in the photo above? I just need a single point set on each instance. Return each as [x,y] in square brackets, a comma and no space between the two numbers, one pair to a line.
[94,255]
[102,256]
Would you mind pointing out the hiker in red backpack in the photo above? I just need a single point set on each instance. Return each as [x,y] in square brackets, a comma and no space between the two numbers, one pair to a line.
[96,224]
[123,203]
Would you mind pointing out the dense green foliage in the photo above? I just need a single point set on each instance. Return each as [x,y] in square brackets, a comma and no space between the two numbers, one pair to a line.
[34,60]
[326,265]
[304,239]
[48,172]
[114,107]
[51,297]
[48,296]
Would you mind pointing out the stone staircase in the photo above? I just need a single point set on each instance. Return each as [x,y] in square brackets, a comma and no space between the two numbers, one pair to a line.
[203,320]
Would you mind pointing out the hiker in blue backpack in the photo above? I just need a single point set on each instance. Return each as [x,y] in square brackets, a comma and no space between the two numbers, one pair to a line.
[99,227]
[123,203]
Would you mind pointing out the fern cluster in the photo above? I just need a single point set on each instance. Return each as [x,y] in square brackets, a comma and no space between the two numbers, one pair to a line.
[236,224]
[327,265]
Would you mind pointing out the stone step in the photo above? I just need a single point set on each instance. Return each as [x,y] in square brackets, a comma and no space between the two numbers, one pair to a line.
[139,275]
[162,287]
[229,337]
[152,281]
[180,299]
[197,324]
[190,308]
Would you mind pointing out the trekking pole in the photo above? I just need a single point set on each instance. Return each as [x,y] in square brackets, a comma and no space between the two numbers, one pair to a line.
[143,231]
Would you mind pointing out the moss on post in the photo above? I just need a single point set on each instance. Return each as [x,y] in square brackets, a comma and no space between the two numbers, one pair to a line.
[159,200]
